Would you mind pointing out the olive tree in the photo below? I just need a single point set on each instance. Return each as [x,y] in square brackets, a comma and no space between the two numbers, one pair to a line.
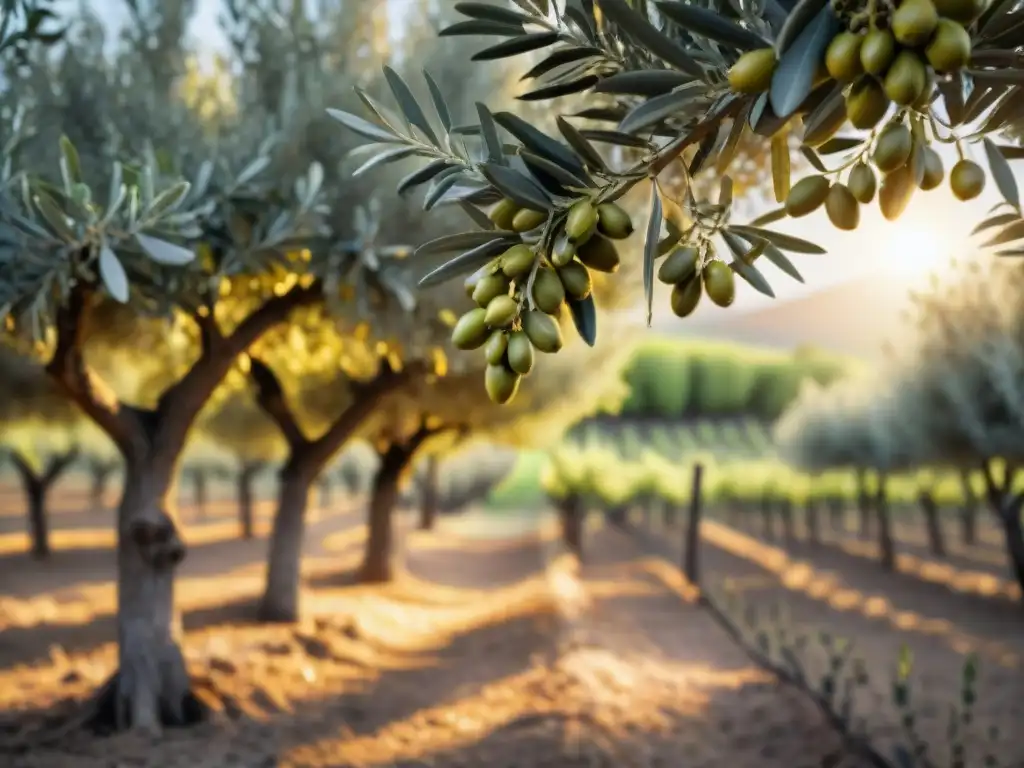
[961,385]
[99,252]
[37,434]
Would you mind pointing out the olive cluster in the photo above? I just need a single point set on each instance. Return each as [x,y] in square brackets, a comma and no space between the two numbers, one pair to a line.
[904,162]
[692,275]
[894,58]
[521,294]
[887,55]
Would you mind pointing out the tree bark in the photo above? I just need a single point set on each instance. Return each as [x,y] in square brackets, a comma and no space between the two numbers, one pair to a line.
[932,524]
[570,513]
[245,480]
[199,486]
[1014,533]
[280,601]
[37,485]
[969,511]
[691,547]
[151,686]
[864,504]
[811,521]
[100,473]
[429,498]
[886,547]
[377,565]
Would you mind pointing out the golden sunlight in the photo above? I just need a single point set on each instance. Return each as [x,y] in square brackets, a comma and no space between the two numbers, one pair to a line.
[914,249]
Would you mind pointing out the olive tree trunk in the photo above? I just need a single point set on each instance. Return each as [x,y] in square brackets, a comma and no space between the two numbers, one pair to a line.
[280,601]
[1010,517]
[969,511]
[378,566]
[571,515]
[691,545]
[811,521]
[886,547]
[429,498]
[932,523]
[245,480]
[100,473]
[864,505]
[37,484]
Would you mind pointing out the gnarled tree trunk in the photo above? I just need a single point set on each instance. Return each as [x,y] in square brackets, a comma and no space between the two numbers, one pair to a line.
[37,485]
[151,686]
[377,565]
[280,601]
[691,545]
[1014,532]
[429,498]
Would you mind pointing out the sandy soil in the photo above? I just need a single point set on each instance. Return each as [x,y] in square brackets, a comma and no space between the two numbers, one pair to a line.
[489,649]
[940,612]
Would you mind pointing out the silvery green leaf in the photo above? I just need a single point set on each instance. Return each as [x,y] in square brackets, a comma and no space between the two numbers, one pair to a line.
[655,41]
[710,24]
[168,200]
[644,82]
[489,130]
[539,142]
[203,177]
[252,170]
[651,248]
[521,189]
[461,241]
[364,128]
[440,105]
[489,12]
[54,216]
[315,179]
[464,263]
[163,252]
[438,187]
[410,107]
[117,191]
[778,239]
[387,156]
[530,41]
[71,162]
[112,273]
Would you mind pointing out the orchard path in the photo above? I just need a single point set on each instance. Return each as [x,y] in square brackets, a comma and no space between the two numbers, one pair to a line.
[490,649]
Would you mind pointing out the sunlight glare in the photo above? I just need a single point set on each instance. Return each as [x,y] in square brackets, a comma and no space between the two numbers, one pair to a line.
[914,250]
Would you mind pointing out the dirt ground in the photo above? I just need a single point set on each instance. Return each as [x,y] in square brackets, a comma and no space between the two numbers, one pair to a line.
[491,648]
[940,610]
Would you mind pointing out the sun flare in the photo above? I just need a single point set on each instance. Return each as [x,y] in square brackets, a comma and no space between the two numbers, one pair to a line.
[913,250]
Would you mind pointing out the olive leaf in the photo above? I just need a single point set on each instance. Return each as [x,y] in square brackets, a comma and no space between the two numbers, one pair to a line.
[793,79]
[388,156]
[583,148]
[543,169]
[71,161]
[584,317]
[438,187]
[813,159]
[778,214]
[520,188]
[743,267]
[839,144]
[490,12]
[1002,173]
[780,165]
[481,27]
[1015,231]
[54,216]
[644,82]
[799,17]
[539,142]
[531,41]
[559,58]
[615,137]
[163,252]
[651,248]
[995,221]
[461,241]
[778,239]
[364,128]
[656,42]
[424,174]
[489,130]
[407,103]
[560,89]
[952,91]
[656,109]
[710,24]
[112,273]
[763,121]
[822,121]
[464,263]
[440,105]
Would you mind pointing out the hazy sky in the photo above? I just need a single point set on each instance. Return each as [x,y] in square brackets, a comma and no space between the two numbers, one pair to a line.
[934,229]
